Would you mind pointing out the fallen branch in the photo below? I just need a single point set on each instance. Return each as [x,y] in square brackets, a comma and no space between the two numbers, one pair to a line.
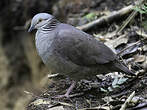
[105,19]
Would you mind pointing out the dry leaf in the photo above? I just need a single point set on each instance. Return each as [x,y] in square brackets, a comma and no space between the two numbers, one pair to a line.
[57,108]
[139,58]
[116,42]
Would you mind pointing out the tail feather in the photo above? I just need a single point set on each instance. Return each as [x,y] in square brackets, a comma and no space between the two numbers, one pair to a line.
[123,68]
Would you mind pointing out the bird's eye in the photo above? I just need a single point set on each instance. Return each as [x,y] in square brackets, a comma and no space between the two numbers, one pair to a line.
[39,21]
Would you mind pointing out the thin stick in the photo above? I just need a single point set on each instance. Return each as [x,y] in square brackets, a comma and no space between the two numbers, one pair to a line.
[119,54]
[133,14]
[138,107]
[123,107]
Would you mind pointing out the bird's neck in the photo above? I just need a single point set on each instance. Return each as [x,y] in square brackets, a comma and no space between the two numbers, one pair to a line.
[50,25]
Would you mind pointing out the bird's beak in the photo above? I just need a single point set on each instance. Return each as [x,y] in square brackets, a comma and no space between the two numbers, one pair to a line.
[30,29]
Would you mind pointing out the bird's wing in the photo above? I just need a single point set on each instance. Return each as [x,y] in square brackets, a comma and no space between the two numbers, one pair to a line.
[81,48]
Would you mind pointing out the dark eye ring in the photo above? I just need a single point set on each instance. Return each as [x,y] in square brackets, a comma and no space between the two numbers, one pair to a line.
[40,20]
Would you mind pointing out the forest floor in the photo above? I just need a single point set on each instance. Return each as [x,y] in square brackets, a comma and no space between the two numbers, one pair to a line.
[105,92]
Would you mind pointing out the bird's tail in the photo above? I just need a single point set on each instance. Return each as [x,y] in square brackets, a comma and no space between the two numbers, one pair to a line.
[123,68]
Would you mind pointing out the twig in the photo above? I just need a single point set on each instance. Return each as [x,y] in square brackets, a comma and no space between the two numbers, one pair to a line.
[123,107]
[142,33]
[76,95]
[119,54]
[142,105]
[31,94]
[62,103]
[120,94]
[109,18]
[98,108]
[132,15]
[52,75]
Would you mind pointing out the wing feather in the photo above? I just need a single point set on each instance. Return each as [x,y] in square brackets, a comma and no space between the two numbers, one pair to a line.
[81,48]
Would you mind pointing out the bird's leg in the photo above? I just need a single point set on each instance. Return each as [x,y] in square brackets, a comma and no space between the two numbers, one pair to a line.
[69,90]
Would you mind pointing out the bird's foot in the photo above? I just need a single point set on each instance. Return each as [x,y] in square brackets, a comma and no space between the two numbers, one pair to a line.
[66,95]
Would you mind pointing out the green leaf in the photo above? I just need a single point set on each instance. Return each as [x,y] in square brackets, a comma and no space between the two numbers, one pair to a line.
[116,86]
[90,16]
[103,90]
[144,24]
[110,89]
[114,83]
[122,80]
[141,9]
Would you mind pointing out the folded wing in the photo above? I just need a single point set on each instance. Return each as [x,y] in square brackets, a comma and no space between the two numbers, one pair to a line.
[81,48]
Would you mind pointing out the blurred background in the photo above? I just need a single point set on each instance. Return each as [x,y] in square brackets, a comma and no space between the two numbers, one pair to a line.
[20,67]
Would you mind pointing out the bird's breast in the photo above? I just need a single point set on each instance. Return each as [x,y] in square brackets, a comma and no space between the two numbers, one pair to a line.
[43,44]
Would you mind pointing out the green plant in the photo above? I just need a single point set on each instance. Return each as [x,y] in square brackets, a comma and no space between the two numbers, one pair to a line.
[141,9]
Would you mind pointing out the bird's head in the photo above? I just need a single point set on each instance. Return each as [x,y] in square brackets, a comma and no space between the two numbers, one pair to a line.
[40,20]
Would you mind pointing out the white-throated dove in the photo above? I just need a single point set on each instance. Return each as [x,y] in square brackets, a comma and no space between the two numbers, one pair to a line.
[67,50]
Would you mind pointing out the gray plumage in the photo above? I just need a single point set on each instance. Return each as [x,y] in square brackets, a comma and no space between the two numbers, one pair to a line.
[67,50]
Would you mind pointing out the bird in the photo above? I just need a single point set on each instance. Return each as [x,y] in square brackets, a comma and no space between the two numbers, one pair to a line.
[72,52]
